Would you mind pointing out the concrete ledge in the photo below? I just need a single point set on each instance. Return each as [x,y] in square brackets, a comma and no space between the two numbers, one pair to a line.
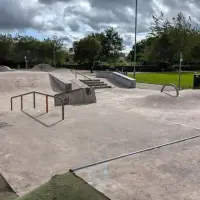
[117,77]
[63,84]
[77,97]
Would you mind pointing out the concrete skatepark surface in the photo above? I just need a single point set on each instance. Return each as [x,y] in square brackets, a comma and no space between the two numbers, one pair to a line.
[34,146]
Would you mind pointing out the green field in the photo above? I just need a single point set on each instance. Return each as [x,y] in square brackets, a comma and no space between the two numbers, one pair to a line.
[164,78]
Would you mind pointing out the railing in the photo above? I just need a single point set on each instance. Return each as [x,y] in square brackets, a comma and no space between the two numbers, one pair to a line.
[171,84]
[34,103]
[81,75]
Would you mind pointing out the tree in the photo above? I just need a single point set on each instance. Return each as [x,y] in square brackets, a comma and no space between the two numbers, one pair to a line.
[112,45]
[170,38]
[6,46]
[140,51]
[87,50]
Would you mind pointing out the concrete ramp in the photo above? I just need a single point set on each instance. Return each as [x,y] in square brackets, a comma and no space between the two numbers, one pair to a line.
[25,81]
[186,100]
[61,83]
[5,68]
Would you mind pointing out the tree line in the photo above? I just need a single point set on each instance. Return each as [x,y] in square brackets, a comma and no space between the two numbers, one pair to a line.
[17,49]
[165,42]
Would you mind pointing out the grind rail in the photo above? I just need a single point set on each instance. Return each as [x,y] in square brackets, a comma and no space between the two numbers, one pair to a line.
[170,84]
[34,102]
[76,75]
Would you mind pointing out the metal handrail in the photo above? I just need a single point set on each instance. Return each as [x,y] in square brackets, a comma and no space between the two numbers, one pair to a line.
[81,75]
[171,84]
[34,104]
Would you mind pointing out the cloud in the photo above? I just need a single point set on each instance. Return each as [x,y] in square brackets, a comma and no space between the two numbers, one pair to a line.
[73,19]
[14,16]
[53,1]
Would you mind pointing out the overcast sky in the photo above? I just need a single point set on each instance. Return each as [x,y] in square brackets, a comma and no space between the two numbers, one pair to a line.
[72,19]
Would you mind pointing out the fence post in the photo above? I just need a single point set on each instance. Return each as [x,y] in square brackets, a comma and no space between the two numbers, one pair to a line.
[33,99]
[47,104]
[21,102]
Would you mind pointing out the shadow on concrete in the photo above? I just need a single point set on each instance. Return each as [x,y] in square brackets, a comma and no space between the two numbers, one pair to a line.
[173,96]
[39,121]
[6,192]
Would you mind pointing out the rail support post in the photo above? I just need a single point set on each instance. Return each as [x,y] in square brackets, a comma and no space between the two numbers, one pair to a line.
[21,102]
[63,110]
[11,101]
[47,104]
[33,99]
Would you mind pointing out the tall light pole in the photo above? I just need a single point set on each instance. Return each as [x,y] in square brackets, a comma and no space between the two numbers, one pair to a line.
[54,58]
[179,74]
[135,49]
[28,58]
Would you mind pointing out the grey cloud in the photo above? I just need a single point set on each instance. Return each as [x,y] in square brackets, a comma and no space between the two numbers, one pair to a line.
[74,26]
[58,28]
[53,1]
[14,16]
[66,38]
[112,12]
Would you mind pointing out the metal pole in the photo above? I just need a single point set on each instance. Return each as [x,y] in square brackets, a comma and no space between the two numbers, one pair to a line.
[63,110]
[33,99]
[28,58]
[21,102]
[179,76]
[47,104]
[135,49]
[54,58]
[11,103]
[135,152]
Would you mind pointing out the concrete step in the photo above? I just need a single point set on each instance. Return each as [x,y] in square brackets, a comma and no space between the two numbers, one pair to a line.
[102,87]
[96,83]
[91,80]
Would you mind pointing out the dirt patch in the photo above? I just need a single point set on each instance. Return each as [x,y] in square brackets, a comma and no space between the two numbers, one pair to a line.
[43,67]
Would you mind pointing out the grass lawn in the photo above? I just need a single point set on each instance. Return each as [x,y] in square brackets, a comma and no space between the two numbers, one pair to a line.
[64,187]
[164,78]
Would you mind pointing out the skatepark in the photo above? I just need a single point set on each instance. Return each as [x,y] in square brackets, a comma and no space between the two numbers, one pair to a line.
[36,145]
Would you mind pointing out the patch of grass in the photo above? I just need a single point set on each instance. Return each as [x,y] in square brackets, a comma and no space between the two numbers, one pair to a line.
[64,187]
[164,78]
[7,195]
